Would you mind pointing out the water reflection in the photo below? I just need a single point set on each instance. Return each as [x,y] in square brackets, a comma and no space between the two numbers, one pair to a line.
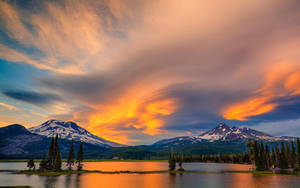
[50,181]
[131,166]
[139,166]
[77,181]
[128,180]
[68,181]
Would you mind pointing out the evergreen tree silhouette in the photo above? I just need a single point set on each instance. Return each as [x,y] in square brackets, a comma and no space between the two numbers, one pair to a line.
[277,156]
[288,154]
[51,155]
[44,164]
[293,156]
[283,160]
[79,158]
[298,154]
[30,164]
[57,159]
[70,160]
[172,161]
[268,158]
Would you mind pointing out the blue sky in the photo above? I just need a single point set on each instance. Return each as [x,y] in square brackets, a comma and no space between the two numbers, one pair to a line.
[139,71]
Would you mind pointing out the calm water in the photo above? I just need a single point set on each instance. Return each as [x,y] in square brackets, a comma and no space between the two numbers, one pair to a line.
[237,180]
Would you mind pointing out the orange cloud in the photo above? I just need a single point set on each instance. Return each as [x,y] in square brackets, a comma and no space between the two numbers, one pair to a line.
[282,80]
[249,108]
[292,83]
[130,115]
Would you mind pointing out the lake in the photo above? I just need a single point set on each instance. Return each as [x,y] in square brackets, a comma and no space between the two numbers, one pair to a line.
[164,180]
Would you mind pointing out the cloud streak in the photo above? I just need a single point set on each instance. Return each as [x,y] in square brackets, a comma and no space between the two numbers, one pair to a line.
[8,106]
[31,97]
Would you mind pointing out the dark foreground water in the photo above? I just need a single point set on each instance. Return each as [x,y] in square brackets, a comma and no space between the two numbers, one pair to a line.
[223,180]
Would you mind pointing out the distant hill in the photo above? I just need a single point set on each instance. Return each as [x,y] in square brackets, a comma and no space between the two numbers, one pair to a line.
[70,130]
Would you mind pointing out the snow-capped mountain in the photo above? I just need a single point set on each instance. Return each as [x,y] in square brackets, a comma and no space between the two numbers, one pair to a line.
[224,132]
[70,130]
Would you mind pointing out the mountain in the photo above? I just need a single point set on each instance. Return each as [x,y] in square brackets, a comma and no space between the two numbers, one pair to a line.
[13,130]
[14,139]
[16,142]
[70,130]
[226,133]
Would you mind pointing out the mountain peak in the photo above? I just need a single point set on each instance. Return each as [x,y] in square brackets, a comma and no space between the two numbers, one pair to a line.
[70,130]
[222,125]
[16,126]
[13,129]
[54,123]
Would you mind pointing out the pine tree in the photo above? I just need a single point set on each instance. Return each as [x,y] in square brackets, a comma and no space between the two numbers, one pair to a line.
[51,154]
[268,158]
[180,163]
[277,156]
[293,155]
[288,154]
[258,156]
[43,165]
[250,146]
[172,161]
[70,161]
[262,157]
[79,157]
[30,164]
[257,161]
[57,159]
[298,153]
[57,162]
[283,160]
[273,158]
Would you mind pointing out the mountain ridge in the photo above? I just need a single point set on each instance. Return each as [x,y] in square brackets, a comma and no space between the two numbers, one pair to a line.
[224,132]
[16,142]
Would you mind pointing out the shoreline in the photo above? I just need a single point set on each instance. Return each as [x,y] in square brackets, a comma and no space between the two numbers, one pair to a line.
[88,160]
[68,172]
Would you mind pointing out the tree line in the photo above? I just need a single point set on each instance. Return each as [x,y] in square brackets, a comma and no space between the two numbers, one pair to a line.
[284,157]
[53,161]
[242,158]
[287,156]
[174,159]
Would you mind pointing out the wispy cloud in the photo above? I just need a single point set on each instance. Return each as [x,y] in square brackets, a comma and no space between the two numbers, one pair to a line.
[8,106]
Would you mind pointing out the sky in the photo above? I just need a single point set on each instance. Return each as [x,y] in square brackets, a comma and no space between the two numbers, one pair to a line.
[136,71]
